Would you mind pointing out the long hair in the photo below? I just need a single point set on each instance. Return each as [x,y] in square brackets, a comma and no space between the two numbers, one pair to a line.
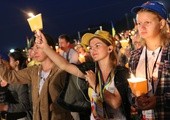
[164,32]
[113,54]
[17,55]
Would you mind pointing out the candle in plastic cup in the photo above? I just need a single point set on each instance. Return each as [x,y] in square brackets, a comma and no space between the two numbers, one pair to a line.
[138,86]
[35,22]
[81,58]
[124,43]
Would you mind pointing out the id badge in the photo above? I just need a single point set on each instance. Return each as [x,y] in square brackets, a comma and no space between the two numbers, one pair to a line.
[149,114]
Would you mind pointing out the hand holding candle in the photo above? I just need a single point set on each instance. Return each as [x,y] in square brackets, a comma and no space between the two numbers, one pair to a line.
[124,43]
[138,86]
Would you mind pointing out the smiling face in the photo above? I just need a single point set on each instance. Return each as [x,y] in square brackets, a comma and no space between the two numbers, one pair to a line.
[98,49]
[149,24]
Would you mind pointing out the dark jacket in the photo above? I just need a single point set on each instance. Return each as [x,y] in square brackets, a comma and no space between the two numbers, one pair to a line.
[121,83]
[17,98]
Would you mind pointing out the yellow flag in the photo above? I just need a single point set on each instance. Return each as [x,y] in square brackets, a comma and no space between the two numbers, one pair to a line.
[113,29]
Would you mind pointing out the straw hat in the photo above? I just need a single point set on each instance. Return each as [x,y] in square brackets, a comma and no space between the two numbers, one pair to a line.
[98,34]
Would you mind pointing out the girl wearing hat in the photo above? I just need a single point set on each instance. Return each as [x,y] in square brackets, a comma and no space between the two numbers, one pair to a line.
[108,86]
[153,60]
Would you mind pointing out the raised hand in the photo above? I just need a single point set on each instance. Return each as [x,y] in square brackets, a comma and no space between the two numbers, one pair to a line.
[41,41]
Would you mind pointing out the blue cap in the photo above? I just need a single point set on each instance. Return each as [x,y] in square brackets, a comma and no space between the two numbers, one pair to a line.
[154,6]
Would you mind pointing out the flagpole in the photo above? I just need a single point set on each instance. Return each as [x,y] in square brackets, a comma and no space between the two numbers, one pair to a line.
[79,37]
[28,41]
[113,29]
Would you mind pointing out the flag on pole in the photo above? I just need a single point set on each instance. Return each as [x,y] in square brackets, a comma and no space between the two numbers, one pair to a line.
[28,42]
[113,29]
[79,37]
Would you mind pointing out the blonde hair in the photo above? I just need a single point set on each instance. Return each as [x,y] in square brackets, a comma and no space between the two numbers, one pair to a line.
[165,37]
[165,34]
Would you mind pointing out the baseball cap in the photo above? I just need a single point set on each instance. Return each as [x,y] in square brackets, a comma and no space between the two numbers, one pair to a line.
[153,6]
[98,34]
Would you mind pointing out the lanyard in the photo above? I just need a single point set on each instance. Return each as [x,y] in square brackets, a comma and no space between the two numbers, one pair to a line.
[102,87]
[147,67]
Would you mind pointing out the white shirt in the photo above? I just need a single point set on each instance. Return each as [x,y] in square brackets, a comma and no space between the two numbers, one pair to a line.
[43,76]
[141,72]
[71,56]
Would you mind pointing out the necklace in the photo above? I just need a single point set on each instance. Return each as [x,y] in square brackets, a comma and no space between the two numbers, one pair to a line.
[43,76]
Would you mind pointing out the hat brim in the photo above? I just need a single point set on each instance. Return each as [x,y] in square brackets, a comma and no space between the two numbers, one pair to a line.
[136,9]
[86,38]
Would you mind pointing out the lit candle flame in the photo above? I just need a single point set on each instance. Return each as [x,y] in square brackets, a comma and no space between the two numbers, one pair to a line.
[132,75]
[57,48]
[138,85]
[81,58]
[31,14]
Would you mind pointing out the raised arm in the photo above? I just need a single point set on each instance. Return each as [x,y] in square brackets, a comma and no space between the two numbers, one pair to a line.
[55,57]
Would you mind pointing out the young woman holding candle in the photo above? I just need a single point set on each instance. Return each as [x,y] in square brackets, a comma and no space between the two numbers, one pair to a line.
[108,85]
[152,61]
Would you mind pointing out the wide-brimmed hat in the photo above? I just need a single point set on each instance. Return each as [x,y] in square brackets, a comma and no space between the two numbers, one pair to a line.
[98,34]
[154,6]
